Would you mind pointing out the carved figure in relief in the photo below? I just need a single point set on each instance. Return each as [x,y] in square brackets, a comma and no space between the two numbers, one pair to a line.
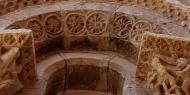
[9,82]
[179,69]
[160,78]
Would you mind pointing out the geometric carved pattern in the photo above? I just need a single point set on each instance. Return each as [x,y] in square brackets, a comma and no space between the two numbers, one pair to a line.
[138,29]
[53,25]
[122,26]
[162,62]
[37,28]
[75,23]
[165,7]
[96,23]
[91,23]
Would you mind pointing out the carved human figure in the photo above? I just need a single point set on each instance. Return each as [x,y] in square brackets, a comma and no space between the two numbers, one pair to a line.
[182,71]
[9,82]
[163,79]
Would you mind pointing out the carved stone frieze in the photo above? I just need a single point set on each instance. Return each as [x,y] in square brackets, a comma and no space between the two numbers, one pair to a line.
[174,10]
[88,29]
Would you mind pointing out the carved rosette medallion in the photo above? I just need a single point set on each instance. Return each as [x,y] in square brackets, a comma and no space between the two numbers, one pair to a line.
[75,23]
[138,29]
[122,26]
[96,23]
[37,28]
[53,25]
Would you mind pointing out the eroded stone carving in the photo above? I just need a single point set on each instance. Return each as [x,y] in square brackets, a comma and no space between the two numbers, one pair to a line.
[37,27]
[123,25]
[9,82]
[96,23]
[75,23]
[53,25]
[163,67]
[12,43]
[138,29]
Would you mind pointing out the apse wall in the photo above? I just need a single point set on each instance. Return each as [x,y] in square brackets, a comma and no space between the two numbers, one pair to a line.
[88,72]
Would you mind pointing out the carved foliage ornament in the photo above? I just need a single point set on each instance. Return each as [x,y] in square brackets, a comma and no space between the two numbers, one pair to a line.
[37,28]
[53,25]
[138,29]
[75,23]
[96,23]
[122,25]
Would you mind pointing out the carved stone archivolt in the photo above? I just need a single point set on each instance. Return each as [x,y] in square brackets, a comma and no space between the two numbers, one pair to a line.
[174,10]
[138,29]
[92,23]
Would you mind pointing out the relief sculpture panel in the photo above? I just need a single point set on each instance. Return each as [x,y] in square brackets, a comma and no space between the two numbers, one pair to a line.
[14,58]
[163,65]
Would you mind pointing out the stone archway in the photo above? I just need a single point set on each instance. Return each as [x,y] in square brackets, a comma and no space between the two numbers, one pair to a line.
[80,72]
[98,27]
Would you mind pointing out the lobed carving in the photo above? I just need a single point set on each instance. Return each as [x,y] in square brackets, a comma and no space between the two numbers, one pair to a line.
[163,64]
[123,25]
[53,25]
[96,23]
[138,29]
[75,23]
[37,27]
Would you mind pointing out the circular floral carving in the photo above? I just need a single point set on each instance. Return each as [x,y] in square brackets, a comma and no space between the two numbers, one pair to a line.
[53,25]
[138,29]
[96,23]
[75,23]
[122,26]
[37,28]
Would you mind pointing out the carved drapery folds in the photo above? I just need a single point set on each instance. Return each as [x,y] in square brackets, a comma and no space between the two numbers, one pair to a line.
[163,65]
[14,59]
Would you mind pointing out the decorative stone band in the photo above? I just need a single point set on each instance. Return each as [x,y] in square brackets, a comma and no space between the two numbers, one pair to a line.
[172,9]
[163,64]
[87,29]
